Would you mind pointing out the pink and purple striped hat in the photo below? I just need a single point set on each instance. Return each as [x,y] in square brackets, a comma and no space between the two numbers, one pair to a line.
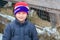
[21,6]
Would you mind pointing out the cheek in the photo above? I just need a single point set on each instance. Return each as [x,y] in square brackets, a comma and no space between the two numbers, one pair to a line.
[25,16]
[16,15]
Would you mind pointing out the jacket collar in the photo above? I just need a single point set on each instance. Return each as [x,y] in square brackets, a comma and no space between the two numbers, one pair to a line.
[21,24]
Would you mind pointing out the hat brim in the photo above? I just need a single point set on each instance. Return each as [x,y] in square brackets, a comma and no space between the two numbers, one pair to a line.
[20,9]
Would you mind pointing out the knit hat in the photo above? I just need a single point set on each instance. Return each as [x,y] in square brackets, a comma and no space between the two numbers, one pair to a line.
[21,6]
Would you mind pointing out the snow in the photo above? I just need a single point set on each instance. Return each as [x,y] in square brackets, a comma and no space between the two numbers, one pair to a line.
[0,36]
[49,31]
[8,17]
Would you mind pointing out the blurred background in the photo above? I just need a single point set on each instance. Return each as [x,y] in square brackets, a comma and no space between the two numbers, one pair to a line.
[45,14]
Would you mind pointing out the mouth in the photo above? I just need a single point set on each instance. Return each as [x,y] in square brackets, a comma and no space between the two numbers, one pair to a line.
[20,17]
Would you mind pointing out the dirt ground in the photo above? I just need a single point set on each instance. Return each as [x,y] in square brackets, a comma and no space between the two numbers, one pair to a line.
[2,28]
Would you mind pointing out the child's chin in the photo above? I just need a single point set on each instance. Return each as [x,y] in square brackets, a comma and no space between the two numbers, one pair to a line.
[21,19]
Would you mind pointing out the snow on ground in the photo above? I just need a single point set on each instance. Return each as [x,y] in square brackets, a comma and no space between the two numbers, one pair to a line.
[0,36]
[8,17]
[49,31]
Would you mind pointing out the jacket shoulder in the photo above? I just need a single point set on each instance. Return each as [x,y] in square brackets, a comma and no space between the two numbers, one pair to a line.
[9,25]
[31,24]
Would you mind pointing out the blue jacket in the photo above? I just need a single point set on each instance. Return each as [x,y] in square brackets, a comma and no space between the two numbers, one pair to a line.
[20,31]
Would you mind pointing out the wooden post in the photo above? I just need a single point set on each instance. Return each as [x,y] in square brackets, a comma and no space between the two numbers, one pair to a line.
[58,20]
[31,13]
[53,19]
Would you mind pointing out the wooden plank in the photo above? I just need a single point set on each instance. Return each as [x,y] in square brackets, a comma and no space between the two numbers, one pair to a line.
[55,4]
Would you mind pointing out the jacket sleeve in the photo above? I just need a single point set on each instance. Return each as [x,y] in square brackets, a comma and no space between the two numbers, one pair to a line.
[34,33]
[7,31]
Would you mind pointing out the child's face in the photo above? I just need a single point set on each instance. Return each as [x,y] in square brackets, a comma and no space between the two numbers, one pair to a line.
[21,16]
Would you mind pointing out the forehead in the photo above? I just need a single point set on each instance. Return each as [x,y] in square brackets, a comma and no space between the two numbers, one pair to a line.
[22,12]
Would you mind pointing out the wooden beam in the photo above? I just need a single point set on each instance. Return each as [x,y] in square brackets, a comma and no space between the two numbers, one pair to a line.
[50,10]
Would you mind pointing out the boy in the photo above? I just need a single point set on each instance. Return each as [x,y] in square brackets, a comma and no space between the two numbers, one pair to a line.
[20,28]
